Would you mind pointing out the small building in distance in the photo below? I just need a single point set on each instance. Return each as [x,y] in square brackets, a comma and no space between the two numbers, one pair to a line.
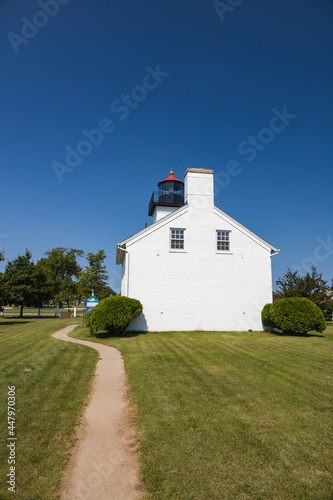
[195,267]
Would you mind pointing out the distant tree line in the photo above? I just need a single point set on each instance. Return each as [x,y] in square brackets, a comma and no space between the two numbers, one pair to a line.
[55,279]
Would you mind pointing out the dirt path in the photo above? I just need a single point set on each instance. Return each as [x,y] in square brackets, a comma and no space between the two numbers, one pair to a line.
[104,462]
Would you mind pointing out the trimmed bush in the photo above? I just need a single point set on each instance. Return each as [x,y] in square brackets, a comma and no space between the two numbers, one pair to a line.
[113,314]
[88,318]
[293,315]
[266,317]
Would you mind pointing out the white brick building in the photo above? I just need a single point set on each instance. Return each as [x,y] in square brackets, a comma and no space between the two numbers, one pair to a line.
[195,267]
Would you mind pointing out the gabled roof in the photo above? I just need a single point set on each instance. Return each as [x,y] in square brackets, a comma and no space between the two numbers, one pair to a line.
[245,230]
[121,247]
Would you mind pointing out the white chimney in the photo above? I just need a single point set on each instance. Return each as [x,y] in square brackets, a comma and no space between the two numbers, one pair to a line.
[199,188]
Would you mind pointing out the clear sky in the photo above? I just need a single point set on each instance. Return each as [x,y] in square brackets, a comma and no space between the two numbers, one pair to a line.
[170,85]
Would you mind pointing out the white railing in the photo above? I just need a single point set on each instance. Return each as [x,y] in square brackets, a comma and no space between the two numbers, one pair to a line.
[43,311]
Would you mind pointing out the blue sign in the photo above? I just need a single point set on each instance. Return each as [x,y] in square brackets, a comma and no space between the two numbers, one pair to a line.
[91,303]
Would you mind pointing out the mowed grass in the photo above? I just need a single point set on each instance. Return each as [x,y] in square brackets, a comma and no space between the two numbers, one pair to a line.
[231,415]
[52,380]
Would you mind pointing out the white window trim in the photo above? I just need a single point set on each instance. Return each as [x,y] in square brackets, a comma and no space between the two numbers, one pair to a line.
[225,252]
[177,250]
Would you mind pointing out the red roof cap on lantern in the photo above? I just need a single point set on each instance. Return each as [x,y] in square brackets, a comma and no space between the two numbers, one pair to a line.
[171,178]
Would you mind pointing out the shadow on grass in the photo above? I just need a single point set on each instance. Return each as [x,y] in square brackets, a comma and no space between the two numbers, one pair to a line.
[29,316]
[8,323]
[106,335]
[291,334]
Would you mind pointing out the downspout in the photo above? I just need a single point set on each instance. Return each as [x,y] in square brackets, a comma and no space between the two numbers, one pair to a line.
[272,255]
[128,265]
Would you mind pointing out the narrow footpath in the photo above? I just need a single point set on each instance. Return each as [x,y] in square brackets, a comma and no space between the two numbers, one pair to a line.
[104,463]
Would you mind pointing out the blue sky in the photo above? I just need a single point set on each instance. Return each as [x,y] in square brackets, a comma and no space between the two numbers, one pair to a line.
[171,85]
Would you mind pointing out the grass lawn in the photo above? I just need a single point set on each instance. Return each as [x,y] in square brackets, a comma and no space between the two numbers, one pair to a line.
[52,380]
[231,415]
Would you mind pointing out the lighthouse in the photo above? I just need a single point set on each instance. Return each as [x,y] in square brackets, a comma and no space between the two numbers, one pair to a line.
[195,267]
[167,199]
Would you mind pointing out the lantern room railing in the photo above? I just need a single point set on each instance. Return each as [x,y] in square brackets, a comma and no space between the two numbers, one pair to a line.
[161,198]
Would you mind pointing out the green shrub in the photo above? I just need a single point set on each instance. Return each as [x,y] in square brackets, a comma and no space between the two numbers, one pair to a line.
[266,316]
[293,315]
[113,314]
[87,318]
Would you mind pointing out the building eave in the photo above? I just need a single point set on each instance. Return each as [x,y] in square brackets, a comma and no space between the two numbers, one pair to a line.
[121,247]
[121,250]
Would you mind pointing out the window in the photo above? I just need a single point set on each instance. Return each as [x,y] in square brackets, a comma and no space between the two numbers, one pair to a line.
[223,240]
[177,238]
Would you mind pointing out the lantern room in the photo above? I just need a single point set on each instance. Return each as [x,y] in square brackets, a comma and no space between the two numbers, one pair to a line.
[170,194]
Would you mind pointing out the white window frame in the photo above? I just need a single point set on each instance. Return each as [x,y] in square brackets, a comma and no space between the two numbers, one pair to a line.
[175,239]
[225,234]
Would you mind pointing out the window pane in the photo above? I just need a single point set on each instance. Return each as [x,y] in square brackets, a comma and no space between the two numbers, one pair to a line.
[177,244]
[223,245]
[223,241]
[177,238]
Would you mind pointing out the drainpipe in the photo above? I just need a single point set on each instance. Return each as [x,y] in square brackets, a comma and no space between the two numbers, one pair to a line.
[128,266]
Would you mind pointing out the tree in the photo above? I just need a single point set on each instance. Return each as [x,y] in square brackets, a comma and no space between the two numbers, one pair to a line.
[311,286]
[62,270]
[94,277]
[26,283]
[2,285]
